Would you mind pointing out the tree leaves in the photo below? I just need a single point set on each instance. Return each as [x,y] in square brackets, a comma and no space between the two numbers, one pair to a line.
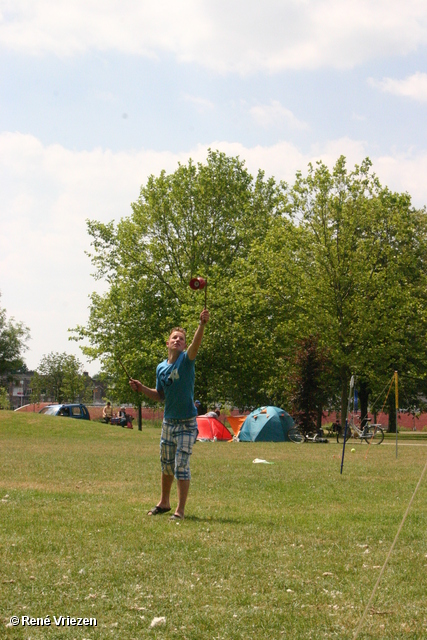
[60,376]
[13,337]
[334,255]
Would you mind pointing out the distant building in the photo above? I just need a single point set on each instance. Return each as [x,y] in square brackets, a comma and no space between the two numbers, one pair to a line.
[100,391]
[18,386]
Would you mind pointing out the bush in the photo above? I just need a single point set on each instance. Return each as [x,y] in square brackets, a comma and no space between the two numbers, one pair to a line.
[4,399]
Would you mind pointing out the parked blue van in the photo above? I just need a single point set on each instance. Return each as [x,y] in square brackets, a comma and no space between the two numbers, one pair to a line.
[78,411]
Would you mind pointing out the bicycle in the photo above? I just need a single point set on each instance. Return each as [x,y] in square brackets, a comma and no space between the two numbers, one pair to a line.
[295,435]
[370,433]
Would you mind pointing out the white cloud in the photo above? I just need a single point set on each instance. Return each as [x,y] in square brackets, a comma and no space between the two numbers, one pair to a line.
[243,36]
[414,86]
[275,115]
[48,192]
[47,195]
[201,104]
[405,172]
[358,117]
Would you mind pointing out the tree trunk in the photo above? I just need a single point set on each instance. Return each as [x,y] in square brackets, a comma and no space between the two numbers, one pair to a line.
[139,416]
[319,418]
[363,398]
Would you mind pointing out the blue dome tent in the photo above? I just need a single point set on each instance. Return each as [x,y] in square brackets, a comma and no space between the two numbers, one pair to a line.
[266,424]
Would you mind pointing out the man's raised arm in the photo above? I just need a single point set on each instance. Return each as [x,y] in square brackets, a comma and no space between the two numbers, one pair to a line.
[198,336]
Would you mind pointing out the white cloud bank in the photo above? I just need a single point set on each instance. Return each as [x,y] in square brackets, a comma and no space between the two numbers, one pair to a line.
[275,115]
[49,192]
[243,36]
[414,86]
[201,105]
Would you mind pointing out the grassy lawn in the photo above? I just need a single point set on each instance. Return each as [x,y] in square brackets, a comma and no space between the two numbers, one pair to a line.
[287,550]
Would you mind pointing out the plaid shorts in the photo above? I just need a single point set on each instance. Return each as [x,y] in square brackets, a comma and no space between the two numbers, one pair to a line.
[176,446]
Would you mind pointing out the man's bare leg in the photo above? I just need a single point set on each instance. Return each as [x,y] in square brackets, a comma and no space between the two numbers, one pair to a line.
[167,482]
[183,488]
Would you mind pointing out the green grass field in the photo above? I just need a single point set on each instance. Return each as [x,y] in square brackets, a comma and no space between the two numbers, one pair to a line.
[287,550]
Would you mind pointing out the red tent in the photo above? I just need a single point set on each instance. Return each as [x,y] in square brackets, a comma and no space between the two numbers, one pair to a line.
[210,428]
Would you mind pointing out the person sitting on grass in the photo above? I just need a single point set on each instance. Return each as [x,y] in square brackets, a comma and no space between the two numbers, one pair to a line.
[122,417]
[107,413]
[175,386]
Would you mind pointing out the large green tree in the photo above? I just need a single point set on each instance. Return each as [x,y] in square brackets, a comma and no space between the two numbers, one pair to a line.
[347,263]
[13,338]
[334,255]
[200,220]
[60,376]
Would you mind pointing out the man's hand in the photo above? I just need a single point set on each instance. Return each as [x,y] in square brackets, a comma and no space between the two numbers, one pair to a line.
[204,317]
[135,385]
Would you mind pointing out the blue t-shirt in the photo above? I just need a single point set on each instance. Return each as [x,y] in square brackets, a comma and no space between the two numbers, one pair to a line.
[176,381]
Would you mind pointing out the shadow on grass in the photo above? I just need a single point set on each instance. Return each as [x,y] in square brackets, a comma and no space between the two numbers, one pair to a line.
[211,520]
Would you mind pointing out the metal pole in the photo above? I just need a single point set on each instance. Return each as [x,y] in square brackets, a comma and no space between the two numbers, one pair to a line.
[343,446]
[346,422]
[396,397]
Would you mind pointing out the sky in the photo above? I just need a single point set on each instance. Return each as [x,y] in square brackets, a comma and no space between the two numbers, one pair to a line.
[96,95]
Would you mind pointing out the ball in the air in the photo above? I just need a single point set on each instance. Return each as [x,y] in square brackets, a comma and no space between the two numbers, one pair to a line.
[353,450]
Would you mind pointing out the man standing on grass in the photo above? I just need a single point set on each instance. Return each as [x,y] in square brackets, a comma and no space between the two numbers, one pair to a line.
[175,386]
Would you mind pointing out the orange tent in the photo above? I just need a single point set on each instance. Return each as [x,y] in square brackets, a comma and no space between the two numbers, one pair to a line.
[236,423]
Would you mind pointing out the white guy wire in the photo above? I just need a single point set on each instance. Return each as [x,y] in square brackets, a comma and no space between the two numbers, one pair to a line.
[362,619]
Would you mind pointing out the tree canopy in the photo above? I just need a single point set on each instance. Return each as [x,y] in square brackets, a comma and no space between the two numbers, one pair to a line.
[200,220]
[347,263]
[60,377]
[335,255]
[13,338]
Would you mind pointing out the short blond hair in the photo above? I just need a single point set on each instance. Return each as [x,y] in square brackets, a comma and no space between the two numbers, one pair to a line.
[180,329]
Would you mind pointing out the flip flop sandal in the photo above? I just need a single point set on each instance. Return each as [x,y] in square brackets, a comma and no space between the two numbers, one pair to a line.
[176,518]
[155,511]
